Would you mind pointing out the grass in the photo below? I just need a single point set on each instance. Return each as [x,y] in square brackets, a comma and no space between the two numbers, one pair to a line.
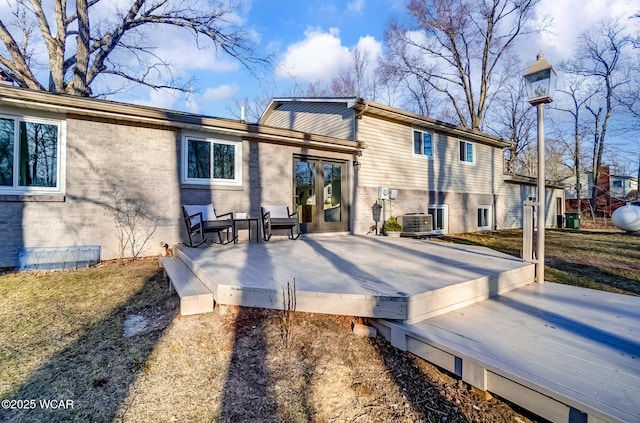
[608,261]
[61,337]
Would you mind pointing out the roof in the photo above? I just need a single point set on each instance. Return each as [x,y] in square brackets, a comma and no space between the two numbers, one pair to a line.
[528,180]
[362,107]
[122,112]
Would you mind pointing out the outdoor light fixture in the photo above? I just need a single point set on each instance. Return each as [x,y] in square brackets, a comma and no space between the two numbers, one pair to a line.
[541,83]
[357,165]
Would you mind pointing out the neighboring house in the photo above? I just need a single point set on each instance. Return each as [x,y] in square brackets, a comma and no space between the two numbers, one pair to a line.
[68,163]
[613,191]
[452,173]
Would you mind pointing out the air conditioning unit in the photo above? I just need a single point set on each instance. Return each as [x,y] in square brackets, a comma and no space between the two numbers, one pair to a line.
[417,224]
[383,193]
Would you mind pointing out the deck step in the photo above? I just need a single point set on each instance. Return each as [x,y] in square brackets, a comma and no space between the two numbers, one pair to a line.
[195,298]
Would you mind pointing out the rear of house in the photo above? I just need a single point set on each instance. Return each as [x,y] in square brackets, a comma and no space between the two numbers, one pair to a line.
[73,169]
[451,173]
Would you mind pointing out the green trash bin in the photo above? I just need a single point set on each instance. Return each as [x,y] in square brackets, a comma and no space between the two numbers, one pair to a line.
[573,220]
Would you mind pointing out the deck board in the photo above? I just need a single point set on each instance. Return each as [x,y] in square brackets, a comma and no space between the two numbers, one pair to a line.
[578,346]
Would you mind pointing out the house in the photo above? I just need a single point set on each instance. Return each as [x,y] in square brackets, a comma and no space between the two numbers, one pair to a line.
[71,168]
[67,163]
[613,191]
[454,174]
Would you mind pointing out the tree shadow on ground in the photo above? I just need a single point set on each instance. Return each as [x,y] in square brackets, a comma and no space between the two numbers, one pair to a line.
[425,396]
[97,371]
[247,395]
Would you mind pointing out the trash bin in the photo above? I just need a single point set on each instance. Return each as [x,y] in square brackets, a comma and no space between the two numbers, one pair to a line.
[573,220]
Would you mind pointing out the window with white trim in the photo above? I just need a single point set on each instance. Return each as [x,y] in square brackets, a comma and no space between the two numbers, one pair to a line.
[422,143]
[466,152]
[484,218]
[31,155]
[210,161]
[439,218]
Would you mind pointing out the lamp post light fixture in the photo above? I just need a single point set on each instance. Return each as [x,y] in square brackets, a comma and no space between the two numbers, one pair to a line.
[540,80]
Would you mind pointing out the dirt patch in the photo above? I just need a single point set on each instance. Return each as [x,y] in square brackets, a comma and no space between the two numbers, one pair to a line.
[236,368]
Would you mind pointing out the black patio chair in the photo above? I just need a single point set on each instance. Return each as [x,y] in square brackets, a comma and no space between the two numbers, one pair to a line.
[202,219]
[278,217]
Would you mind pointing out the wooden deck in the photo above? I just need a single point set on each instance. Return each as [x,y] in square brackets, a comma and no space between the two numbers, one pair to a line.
[377,277]
[568,354]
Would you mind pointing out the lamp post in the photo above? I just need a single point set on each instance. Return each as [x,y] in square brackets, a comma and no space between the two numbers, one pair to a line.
[540,80]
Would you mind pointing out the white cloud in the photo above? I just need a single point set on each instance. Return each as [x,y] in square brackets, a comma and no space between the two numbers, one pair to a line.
[571,18]
[355,6]
[321,56]
[221,92]
[162,98]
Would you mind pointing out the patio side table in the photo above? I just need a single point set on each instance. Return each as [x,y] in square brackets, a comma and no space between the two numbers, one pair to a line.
[248,221]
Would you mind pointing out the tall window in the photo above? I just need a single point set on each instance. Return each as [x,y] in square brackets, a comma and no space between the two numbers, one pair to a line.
[484,218]
[439,218]
[29,155]
[422,143]
[466,152]
[212,161]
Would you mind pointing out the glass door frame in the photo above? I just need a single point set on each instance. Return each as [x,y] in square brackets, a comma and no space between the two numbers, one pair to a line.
[318,223]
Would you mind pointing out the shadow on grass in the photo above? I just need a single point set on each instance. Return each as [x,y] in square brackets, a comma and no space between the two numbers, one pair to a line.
[247,389]
[93,376]
[587,276]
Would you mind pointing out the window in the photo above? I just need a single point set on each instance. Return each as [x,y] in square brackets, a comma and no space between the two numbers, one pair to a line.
[617,184]
[484,218]
[30,156]
[466,152]
[422,144]
[211,161]
[439,218]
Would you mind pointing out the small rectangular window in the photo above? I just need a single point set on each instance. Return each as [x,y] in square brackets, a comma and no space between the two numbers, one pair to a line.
[422,143]
[617,184]
[212,161]
[466,152]
[484,218]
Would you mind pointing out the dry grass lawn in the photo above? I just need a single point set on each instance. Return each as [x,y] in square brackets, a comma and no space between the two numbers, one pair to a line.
[62,337]
[608,261]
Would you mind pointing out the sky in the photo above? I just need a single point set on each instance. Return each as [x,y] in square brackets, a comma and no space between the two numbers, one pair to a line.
[311,40]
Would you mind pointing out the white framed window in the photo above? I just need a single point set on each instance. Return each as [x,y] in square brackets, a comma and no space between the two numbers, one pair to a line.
[32,152]
[467,151]
[484,218]
[439,218]
[211,161]
[422,143]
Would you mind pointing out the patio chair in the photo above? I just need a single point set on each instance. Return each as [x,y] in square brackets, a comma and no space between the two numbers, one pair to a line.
[278,217]
[202,219]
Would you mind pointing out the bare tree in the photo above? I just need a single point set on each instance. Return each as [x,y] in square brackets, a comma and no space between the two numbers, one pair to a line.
[578,95]
[83,44]
[600,56]
[508,118]
[456,47]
